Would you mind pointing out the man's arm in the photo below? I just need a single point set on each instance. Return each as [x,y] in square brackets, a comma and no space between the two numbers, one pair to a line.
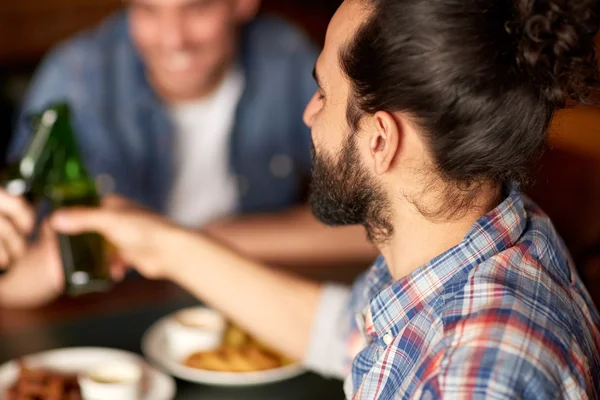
[277,307]
[302,318]
[290,313]
[295,238]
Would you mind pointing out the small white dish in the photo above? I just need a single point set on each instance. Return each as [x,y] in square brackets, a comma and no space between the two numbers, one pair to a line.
[154,344]
[119,380]
[77,360]
[194,329]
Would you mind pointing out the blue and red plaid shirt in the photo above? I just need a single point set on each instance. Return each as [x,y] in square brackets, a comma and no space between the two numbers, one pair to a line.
[502,315]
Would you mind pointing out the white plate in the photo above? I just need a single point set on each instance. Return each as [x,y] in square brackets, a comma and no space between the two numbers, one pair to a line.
[78,359]
[154,348]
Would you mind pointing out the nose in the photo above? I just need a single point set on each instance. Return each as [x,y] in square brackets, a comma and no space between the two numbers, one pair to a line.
[310,111]
[172,32]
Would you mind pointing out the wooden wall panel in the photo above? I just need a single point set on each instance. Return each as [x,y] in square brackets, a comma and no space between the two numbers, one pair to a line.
[28,28]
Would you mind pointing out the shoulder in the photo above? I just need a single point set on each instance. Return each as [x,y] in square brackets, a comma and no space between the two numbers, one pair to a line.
[508,336]
[277,59]
[91,47]
[495,351]
[275,37]
[90,68]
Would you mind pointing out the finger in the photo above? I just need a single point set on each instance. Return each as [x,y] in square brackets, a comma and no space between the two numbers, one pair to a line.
[18,210]
[79,220]
[47,236]
[118,271]
[4,257]
[14,242]
[50,261]
[118,266]
[118,203]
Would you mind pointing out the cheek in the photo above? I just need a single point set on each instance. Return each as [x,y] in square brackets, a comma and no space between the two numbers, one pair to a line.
[143,30]
[318,127]
[213,29]
[332,127]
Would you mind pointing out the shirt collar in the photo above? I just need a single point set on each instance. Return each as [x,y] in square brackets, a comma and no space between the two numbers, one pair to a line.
[396,304]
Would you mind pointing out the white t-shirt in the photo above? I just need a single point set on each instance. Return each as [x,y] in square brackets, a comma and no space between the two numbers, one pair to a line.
[204,188]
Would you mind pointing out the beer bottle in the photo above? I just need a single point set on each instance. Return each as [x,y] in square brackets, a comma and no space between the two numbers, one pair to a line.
[68,184]
[26,177]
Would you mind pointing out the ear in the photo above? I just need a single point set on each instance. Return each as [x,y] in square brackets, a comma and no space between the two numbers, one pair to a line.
[385,141]
[246,10]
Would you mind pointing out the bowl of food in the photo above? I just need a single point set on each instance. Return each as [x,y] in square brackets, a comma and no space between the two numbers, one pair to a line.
[65,374]
[239,352]
[42,383]
[239,360]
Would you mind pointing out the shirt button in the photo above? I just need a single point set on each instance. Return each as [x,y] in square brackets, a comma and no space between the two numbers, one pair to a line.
[388,339]
[281,166]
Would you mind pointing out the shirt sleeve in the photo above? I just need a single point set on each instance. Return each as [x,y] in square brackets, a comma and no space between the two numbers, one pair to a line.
[327,352]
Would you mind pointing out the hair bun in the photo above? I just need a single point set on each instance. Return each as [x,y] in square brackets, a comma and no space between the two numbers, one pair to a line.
[555,47]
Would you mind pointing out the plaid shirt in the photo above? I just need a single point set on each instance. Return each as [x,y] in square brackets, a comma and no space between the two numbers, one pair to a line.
[502,315]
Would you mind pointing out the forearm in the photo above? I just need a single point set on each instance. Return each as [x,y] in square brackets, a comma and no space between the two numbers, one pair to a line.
[295,238]
[276,307]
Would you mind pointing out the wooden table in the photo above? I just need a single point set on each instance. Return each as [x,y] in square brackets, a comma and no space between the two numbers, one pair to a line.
[118,319]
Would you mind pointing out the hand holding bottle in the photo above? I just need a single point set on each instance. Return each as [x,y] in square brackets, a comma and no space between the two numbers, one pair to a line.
[52,169]
[17,220]
[141,238]
[36,277]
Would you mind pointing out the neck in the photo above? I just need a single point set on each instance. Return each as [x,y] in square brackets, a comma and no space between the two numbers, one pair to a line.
[418,239]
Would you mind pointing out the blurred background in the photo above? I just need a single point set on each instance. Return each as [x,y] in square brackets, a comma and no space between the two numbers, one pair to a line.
[29,28]
[566,181]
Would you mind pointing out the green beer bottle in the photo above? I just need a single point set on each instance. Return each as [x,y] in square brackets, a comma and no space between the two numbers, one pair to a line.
[26,177]
[68,184]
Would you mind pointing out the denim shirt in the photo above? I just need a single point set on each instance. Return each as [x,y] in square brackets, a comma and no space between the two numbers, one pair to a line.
[124,129]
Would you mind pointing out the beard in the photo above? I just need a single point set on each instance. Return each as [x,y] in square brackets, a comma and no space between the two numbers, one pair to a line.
[343,192]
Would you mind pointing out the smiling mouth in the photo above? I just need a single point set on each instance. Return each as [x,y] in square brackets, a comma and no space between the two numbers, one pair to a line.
[177,62]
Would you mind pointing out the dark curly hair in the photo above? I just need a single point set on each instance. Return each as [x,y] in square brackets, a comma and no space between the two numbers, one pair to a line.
[482,78]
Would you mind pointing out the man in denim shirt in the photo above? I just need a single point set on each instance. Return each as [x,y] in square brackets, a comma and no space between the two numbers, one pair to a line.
[193,108]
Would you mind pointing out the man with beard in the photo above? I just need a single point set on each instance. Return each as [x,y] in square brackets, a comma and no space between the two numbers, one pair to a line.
[193,108]
[426,116]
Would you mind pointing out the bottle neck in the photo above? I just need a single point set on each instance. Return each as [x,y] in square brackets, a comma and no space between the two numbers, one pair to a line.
[39,144]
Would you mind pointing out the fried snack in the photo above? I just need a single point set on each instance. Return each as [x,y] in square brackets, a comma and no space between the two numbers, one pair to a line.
[283,359]
[212,361]
[239,353]
[41,384]
[235,337]
[238,362]
[261,359]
